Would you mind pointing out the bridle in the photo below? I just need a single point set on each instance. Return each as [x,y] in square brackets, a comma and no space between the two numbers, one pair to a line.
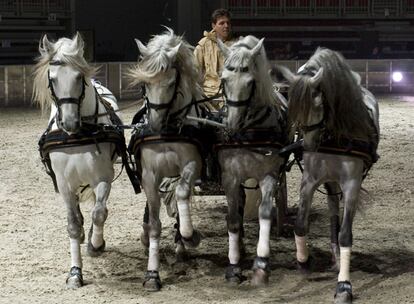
[68,100]
[321,124]
[238,103]
[166,106]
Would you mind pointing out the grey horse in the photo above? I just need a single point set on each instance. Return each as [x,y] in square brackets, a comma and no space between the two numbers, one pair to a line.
[256,124]
[339,121]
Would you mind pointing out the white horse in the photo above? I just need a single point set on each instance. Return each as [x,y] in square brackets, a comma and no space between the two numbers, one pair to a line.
[77,152]
[167,146]
[257,124]
[340,124]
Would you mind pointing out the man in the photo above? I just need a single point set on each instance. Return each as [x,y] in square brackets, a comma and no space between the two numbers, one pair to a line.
[209,57]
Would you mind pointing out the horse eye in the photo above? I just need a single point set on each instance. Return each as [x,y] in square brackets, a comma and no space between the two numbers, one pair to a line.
[315,94]
[231,69]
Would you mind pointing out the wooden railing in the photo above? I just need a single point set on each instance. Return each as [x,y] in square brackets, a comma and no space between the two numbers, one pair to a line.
[376,75]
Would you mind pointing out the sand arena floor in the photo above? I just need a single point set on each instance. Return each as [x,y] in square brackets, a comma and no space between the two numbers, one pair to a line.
[34,246]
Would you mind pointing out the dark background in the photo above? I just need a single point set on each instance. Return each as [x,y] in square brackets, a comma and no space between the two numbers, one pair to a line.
[109,27]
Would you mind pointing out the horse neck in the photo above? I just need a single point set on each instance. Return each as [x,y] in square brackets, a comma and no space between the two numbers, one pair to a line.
[267,115]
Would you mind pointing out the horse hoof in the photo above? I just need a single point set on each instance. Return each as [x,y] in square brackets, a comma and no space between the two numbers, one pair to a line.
[181,254]
[193,241]
[260,278]
[152,281]
[74,279]
[92,251]
[305,268]
[234,274]
[261,271]
[95,252]
[343,293]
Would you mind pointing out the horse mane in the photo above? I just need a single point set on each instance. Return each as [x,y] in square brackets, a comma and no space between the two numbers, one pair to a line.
[345,112]
[240,56]
[69,54]
[156,61]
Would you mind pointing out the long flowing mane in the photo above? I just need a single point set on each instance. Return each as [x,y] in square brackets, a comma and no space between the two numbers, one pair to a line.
[241,57]
[70,54]
[156,61]
[345,112]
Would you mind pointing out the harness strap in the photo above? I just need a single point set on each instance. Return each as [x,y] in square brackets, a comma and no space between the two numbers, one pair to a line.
[59,140]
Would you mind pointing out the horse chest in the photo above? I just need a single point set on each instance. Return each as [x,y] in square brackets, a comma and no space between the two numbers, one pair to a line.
[82,164]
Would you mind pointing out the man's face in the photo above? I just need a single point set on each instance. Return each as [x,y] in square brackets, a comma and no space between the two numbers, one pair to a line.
[222,28]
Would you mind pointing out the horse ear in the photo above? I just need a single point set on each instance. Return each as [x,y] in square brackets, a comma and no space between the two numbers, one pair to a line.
[173,52]
[45,46]
[223,48]
[78,43]
[141,47]
[256,50]
[357,77]
[283,73]
[316,80]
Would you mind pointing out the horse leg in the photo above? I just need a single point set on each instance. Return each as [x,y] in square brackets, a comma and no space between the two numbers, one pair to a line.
[189,235]
[150,183]
[242,203]
[235,197]
[261,267]
[96,242]
[307,190]
[76,236]
[351,190]
[333,203]
[145,227]
[180,251]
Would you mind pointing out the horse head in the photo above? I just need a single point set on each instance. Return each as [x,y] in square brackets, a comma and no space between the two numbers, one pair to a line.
[167,72]
[306,107]
[240,77]
[62,69]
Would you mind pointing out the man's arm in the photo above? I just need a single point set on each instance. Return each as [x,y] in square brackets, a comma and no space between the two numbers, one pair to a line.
[199,56]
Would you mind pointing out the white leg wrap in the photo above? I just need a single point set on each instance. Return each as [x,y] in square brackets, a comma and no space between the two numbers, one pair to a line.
[97,236]
[263,248]
[186,227]
[75,253]
[234,250]
[153,256]
[302,252]
[345,264]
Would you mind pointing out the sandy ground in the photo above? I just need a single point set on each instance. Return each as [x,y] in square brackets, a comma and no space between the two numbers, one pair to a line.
[34,246]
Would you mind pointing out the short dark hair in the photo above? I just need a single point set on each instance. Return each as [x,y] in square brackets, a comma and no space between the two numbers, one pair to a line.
[218,13]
